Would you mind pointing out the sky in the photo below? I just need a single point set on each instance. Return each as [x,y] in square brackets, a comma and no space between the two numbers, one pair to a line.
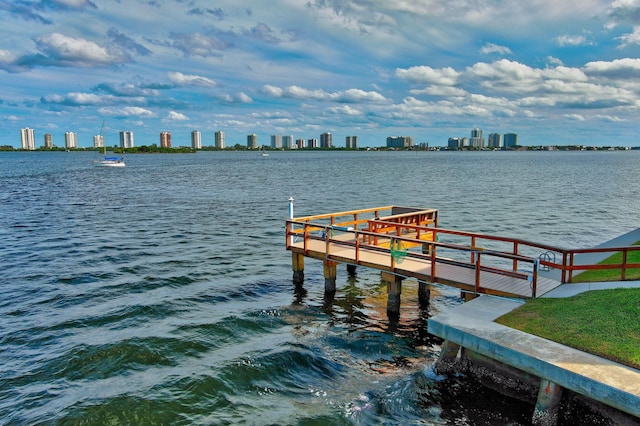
[556,72]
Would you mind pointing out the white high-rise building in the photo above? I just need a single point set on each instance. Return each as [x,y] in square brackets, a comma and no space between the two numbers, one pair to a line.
[98,141]
[28,139]
[287,141]
[476,140]
[126,139]
[276,141]
[196,139]
[70,140]
[219,139]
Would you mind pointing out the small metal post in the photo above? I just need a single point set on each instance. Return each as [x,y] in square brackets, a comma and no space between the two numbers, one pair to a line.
[291,217]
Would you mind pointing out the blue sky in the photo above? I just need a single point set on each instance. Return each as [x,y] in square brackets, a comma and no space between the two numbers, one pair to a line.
[553,71]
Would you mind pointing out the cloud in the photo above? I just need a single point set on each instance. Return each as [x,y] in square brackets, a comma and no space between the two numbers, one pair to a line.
[573,40]
[575,117]
[24,10]
[624,11]
[631,38]
[176,116]
[425,74]
[264,33]
[494,48]
[127,43]
[626,68]
[198,44]
[126,112]
[180,79]
[126,89]
[206,12]
[347,96]
[63,50]
[239,98]
[78,99]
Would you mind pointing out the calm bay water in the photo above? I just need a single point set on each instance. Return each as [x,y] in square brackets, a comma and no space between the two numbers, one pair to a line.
[161,293]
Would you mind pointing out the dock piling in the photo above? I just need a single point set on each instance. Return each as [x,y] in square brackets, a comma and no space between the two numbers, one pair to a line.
[297,264]
[394,289]
[548,404]
[330,272]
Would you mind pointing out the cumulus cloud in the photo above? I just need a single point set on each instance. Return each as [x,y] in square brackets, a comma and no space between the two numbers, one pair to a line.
[575,117]
[494,48]
[631,38]
[176,116]
[297,92]
[573,40]
[127,43]
[626,68]
[127,112]
[425,74]
[78,99]
[239,98]
[180,79]
[64,50]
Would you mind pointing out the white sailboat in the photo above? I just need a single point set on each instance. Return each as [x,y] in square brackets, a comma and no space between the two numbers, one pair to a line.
[108,161]
[264,152]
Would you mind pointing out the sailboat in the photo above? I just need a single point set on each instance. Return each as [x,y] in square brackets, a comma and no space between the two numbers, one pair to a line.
[108,161]
[264,152]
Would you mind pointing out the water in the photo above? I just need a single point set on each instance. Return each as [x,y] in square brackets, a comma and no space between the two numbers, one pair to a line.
[161,293]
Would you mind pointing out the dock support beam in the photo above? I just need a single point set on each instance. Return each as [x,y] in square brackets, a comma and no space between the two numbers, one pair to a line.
[548,404]
[447,358]
[351,270]
[330,272]
[424,293]
[297,264]
[394,289]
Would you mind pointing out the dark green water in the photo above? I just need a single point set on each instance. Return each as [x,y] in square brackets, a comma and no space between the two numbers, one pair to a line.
[161,293]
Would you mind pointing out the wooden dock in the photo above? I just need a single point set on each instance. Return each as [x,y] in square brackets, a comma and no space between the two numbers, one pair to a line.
[406,242]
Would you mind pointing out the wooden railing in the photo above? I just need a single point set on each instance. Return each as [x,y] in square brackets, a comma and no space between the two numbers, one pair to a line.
[376,229]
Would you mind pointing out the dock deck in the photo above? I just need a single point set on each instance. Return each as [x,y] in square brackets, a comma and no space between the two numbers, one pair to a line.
[406,242]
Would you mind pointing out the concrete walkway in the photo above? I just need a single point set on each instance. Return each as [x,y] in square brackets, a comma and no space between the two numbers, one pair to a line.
[472,326]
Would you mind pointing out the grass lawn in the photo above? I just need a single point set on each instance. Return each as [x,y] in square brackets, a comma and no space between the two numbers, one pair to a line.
[612,274]
[602,322]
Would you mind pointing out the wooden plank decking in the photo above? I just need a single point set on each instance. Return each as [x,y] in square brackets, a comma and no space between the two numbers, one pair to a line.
[420,268]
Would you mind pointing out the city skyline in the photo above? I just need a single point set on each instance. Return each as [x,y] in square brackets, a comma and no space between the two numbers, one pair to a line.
[553,72]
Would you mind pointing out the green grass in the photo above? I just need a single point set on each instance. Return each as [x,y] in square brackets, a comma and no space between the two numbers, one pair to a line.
[612,274]
[602,322]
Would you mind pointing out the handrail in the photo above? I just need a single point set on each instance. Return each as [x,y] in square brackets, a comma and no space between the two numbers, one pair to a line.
[384,227]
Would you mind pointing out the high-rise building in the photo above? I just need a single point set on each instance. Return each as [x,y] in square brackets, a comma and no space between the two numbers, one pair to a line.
[352,142]
[510,140]
[399,142]
[126,139]
[312,143]
[48,140]
[165,139]
[98,141]
[219,139]
[28,139]
[70,140]
[476,140]
[299,144]
[252,141]
[276,141]
[494,140]
[196,139]
[326,140]
[287,141]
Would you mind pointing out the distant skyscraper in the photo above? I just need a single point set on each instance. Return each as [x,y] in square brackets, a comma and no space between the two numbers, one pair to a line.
[196,139]
[48,140]
[126,139]
[299,144]
[312,143]
[326,140]
[287,142]
[476,140]
[219,139]
[98,141]
[276,141]
[165,139]
[70,140]
[399,142]
[352,142]
[494,140]
[510,140]
[252,141]
[28,139]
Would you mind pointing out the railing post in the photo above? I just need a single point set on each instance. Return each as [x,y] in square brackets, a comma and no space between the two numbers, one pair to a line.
[473,253]
[478,274]
[291,215]
[534,280]
[305,235]
[433,263]
[571,267]
[515,251]
[623,269]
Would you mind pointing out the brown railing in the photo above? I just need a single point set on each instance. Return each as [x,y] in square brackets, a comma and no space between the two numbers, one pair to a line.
[377,228]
